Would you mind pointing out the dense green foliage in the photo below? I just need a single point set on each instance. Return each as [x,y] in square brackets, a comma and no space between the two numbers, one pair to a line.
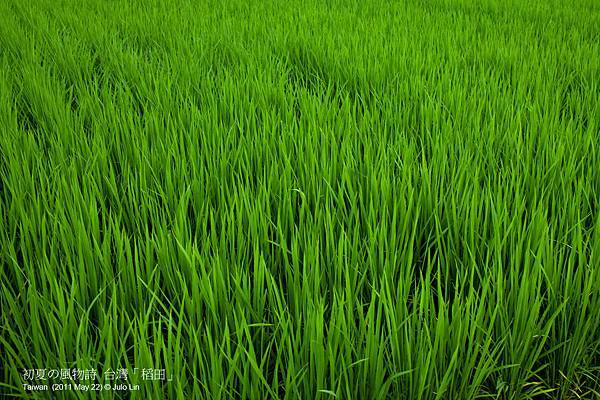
[361,200]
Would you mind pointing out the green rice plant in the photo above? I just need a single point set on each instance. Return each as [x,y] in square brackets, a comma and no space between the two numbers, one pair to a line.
[301,200]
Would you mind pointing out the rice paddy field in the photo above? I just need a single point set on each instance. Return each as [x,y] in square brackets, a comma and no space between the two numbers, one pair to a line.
[300,199]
